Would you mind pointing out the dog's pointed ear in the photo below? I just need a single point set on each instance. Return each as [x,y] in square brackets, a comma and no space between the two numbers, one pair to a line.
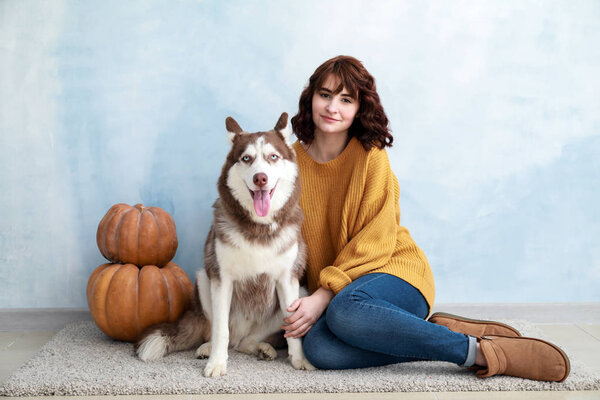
[233,128]
[283,127]
[281,122]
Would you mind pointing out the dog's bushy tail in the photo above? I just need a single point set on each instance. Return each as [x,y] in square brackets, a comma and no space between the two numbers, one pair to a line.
[191,330]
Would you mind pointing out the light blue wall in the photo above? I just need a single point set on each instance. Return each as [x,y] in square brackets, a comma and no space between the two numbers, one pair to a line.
[495,107]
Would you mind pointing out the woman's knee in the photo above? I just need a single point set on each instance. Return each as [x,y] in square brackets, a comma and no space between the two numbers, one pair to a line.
[342,313]
[344,310]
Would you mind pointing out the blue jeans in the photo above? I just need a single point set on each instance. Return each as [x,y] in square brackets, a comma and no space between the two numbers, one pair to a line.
[377,320]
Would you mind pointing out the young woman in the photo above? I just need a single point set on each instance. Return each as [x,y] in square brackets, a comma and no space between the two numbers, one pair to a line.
[371,286]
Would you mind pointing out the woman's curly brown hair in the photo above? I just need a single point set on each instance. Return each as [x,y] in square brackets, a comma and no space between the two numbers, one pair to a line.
[370,126]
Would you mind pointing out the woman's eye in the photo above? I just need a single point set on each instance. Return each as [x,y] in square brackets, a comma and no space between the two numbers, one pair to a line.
[274,157]
[325,95]
[347,101]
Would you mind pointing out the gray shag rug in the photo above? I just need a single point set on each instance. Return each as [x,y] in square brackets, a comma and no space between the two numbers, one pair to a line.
[80,360]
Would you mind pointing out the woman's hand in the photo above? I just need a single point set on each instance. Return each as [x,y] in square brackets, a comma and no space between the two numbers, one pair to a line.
[306,311]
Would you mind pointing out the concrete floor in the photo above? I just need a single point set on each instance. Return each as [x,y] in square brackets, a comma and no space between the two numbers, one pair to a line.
[576,327]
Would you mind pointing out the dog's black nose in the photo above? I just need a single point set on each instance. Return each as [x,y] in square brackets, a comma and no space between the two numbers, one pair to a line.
[260,179]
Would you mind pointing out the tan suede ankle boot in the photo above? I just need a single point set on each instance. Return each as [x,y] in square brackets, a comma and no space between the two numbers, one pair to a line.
[473,327]
[523,357]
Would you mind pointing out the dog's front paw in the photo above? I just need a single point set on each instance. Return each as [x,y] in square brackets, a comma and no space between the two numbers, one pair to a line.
[215,369]
[300,362]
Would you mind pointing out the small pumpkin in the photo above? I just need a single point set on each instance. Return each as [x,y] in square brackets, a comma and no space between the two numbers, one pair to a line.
[137,235]
[124,300]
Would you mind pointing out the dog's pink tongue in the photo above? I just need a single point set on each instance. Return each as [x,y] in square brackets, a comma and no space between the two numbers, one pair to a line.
[262,202]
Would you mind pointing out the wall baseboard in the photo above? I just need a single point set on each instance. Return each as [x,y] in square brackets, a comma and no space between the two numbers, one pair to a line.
[54,319]
[40,319]
[539,313]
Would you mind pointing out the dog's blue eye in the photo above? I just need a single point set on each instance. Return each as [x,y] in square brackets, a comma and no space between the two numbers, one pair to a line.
[274,157]
[246,158]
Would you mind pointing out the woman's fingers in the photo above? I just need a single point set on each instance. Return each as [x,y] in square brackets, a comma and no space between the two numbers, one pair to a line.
[294,317]
[300,331]
[294,306]
[293,322]
[304,330]
[294,309]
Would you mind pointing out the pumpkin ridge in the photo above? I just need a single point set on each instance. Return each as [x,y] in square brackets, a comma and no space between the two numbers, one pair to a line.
[102,235]
[173,243]
[176,276]
[169,302]
[182,286]
[137,299]
[104,230]
[92,290]
[155,218]
[155,245]
[112,248]
[173,233]
[137,235]
[108,324]
[118,237]
[92,282]
[182,289]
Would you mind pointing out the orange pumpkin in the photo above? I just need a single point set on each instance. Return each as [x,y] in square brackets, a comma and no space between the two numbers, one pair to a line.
[124,299]
[137,235]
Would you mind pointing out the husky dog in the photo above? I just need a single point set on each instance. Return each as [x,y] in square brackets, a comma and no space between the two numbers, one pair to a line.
[254,256]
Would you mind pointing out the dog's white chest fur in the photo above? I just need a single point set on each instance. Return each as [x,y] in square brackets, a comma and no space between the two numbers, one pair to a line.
[240,258]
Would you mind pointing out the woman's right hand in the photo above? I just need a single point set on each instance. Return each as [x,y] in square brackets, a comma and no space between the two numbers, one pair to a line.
[305,312]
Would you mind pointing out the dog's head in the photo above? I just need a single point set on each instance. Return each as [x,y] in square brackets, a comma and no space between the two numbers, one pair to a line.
[261,170]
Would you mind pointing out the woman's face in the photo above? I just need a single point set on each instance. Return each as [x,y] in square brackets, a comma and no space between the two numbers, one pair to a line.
[333,113]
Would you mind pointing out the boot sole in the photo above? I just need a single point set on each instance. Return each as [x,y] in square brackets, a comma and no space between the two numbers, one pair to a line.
[562,353]
[477,321]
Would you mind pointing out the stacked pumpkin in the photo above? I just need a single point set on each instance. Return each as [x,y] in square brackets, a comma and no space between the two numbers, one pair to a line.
[141,286]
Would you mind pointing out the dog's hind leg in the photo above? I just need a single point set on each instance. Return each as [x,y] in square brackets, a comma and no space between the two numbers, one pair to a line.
[203,351]
[263,350]
[255,343]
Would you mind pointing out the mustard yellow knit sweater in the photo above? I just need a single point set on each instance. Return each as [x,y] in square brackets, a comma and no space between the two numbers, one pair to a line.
[352,222]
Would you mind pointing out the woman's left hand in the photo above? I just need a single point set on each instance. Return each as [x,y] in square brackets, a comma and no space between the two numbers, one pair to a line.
[306,311]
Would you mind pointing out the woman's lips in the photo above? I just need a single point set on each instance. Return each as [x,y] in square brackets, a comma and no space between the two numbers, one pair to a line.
[328,119]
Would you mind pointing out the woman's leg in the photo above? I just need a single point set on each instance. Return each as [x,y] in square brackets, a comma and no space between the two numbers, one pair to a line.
[380,318]
[325,351]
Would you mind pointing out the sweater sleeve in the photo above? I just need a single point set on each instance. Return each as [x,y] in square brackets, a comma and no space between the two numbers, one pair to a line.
[372,236]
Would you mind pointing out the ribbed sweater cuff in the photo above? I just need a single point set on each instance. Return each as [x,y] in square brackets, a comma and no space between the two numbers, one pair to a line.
[334,279]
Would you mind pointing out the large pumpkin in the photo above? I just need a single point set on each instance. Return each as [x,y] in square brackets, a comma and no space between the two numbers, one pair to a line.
[137,235]
[124,299]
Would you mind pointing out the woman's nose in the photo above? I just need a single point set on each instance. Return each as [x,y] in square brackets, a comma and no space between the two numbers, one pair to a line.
[331,106]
